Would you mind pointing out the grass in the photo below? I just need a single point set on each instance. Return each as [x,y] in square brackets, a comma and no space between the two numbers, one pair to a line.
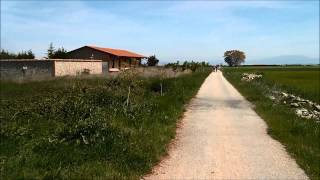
[86,128]
[299,136]
[302,81]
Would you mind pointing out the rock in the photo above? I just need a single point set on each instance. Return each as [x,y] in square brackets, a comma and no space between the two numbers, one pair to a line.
[284,94]
[294,104]
[300,99]
[300,111]
[310,102]
[304,113]
[271,97]
[304,107]
[249,77]
[292,96]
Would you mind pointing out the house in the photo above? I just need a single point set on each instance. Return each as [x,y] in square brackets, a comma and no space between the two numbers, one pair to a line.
[111,58]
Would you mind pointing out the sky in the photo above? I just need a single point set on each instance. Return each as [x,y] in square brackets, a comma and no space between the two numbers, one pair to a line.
[172,30]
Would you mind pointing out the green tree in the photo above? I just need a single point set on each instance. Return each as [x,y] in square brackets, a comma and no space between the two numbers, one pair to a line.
[21,55]
[25,55]
[7,55]
[30,54]
[234,57]
[61,53]
[50,51]
[152,61]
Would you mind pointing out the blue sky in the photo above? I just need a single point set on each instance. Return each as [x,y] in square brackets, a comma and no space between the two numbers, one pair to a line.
[178,30]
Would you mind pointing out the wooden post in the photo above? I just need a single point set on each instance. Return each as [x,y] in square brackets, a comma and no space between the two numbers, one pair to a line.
[128,96]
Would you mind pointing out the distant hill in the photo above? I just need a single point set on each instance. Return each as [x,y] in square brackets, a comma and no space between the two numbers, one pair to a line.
[286,59]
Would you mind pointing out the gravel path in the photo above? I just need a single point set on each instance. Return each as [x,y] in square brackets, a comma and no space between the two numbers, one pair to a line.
[221,137]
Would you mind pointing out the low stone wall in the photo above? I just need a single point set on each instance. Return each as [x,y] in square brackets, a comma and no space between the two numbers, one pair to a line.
[77,67]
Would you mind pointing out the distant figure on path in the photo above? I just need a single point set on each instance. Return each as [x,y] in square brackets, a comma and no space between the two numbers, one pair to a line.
[215,68]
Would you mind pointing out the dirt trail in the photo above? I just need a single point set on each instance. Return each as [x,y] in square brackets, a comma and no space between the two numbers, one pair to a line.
[223,138]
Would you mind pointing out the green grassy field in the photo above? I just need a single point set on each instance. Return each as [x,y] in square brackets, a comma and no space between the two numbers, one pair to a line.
[299,136]
[87,128]
[302,81]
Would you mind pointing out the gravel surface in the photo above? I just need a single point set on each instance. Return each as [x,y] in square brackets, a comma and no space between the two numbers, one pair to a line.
[221,137]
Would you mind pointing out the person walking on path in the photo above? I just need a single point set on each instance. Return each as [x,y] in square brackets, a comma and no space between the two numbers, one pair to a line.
[214,68]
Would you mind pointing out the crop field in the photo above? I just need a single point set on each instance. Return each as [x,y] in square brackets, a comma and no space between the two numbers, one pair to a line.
[300,136]
[303,81]
[90,128]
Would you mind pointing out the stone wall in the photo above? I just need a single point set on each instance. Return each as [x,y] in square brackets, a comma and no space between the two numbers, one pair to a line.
[77,67]
[42,69]
[15,69]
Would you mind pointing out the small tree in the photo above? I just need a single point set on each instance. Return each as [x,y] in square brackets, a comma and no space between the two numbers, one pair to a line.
[175,66]
[50,51]
[21,55]
[193,66]
[185,65]
[152,61]
[60,53]
[25,55]
[234,57]
[30,54]
[7,55]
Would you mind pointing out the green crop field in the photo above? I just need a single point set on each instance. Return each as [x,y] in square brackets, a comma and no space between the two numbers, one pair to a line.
[89,128]
[302,81]
[299,136]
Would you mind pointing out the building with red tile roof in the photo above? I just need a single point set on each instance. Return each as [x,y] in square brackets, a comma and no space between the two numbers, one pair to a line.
[112,58]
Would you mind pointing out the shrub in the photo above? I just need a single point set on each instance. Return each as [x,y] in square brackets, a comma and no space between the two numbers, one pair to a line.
[84,128]
[152,61]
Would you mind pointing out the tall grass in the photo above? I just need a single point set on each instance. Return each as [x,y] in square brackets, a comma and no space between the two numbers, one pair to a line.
[90,128]
[299,136]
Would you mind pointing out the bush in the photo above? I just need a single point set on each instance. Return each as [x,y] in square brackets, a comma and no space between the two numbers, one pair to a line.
[85,128]
[86,71]
[193,66]
[152,61]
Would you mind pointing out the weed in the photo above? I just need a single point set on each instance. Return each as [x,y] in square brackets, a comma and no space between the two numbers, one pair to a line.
[90,128]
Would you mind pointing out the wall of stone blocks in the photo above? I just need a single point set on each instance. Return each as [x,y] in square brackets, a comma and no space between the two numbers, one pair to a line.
[63,68]
[13,69]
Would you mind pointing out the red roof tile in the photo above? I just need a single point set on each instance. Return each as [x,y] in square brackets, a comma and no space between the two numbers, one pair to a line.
[118,52]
